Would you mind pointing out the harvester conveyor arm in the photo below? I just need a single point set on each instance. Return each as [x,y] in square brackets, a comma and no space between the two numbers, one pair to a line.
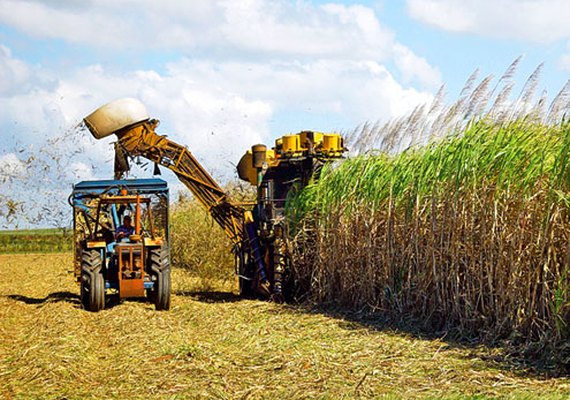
[142,140]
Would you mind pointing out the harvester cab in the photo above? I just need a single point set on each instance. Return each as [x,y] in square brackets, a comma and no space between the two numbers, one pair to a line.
[121,240]
[257,230]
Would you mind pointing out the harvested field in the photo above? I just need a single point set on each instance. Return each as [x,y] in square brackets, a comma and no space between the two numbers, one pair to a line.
[214,345]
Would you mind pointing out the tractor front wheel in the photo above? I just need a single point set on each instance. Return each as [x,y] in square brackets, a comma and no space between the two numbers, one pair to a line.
[92,281]
[162,299]
[160,269]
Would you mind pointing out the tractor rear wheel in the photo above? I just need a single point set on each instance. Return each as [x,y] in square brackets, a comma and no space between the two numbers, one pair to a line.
[92,281]
[159,265]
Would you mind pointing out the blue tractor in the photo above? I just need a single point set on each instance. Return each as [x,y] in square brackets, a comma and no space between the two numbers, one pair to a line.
[121,241]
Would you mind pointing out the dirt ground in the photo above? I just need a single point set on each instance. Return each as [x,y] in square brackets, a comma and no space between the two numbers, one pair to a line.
[214,345]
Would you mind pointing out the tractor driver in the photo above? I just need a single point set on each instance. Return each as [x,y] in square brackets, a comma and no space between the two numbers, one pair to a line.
[125,230]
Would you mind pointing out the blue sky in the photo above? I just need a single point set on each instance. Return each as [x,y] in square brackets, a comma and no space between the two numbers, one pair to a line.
[222,75]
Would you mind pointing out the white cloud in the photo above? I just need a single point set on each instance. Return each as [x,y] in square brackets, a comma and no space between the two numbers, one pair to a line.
[258,26]
[299,29]
[360,90]
[540,21]
[79,171]
[11,167]
[414,67]
[219,30]
[13,73]
[235,66]
[218,109]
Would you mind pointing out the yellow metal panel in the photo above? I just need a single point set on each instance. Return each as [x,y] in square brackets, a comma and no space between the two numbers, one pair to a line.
[317,137]
[94,245]
[245,168]
[272,161]
[152,242]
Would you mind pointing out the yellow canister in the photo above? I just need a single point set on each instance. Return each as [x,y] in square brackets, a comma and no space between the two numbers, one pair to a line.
[331,142]
[291,143]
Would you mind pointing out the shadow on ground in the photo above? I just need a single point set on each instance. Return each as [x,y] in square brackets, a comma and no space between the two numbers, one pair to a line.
[55,297]
[530,360]
[72,298]
[210,296]
[527,361]
[524,361]
[113,301]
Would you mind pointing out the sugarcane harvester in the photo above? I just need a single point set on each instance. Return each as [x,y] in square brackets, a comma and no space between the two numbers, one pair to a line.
[258,230]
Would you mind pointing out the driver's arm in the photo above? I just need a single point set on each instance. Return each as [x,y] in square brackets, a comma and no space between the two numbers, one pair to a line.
[120,233]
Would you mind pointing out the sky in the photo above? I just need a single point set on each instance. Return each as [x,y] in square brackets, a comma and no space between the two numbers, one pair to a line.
[222,75]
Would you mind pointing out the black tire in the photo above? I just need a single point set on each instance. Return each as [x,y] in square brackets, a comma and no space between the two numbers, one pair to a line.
[245,277]
[162,300]
[159,266]
[92,281]
[289,284]
[246,288]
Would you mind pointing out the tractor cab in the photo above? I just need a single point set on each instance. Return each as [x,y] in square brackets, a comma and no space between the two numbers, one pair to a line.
[130,231]
[121,240]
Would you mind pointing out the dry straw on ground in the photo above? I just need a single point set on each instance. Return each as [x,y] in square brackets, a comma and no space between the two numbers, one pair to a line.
[211,345]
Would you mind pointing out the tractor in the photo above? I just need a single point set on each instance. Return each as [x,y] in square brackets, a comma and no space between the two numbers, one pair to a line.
[121,241]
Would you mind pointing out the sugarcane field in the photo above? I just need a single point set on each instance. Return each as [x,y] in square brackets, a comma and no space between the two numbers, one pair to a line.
[277,199]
